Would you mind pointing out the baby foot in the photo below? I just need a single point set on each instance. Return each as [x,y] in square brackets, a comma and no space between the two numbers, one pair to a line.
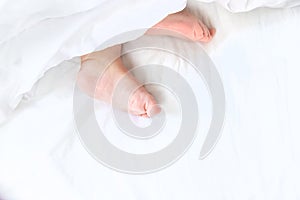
[183,24]
[99,78]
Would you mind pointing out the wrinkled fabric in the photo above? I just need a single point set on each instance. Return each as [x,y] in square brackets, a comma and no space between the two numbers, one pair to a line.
[257,157]
[36,35]
[247,5]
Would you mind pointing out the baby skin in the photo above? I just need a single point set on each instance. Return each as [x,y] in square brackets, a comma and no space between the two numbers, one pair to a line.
[98,77]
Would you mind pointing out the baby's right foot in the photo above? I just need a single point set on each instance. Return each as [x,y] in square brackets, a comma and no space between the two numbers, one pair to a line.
[90,80]
[183,24]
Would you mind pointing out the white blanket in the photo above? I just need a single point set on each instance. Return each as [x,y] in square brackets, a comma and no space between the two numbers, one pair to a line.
[247,5]
[43,35]
[35,35]
[257,157]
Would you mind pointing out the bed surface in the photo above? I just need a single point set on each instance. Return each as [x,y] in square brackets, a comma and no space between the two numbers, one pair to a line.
[257,157]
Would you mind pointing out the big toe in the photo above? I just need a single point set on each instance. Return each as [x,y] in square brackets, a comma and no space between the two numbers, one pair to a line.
[212,32]
[142,103]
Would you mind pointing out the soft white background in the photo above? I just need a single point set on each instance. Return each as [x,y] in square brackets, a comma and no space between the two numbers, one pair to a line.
[257,157]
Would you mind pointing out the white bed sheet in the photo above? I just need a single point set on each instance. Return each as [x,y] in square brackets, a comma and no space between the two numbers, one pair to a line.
[257,157]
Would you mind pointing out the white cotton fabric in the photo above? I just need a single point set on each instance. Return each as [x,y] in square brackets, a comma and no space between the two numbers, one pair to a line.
[36,35]
[247,5]
[257,157]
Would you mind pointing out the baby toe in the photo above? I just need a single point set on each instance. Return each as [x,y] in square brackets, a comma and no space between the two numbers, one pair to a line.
[143,104]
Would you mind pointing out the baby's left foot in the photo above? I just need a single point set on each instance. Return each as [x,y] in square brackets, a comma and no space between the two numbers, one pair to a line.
[98,78]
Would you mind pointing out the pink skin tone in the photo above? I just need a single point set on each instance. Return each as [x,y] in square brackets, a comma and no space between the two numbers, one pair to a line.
[183,25]
[141,103]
